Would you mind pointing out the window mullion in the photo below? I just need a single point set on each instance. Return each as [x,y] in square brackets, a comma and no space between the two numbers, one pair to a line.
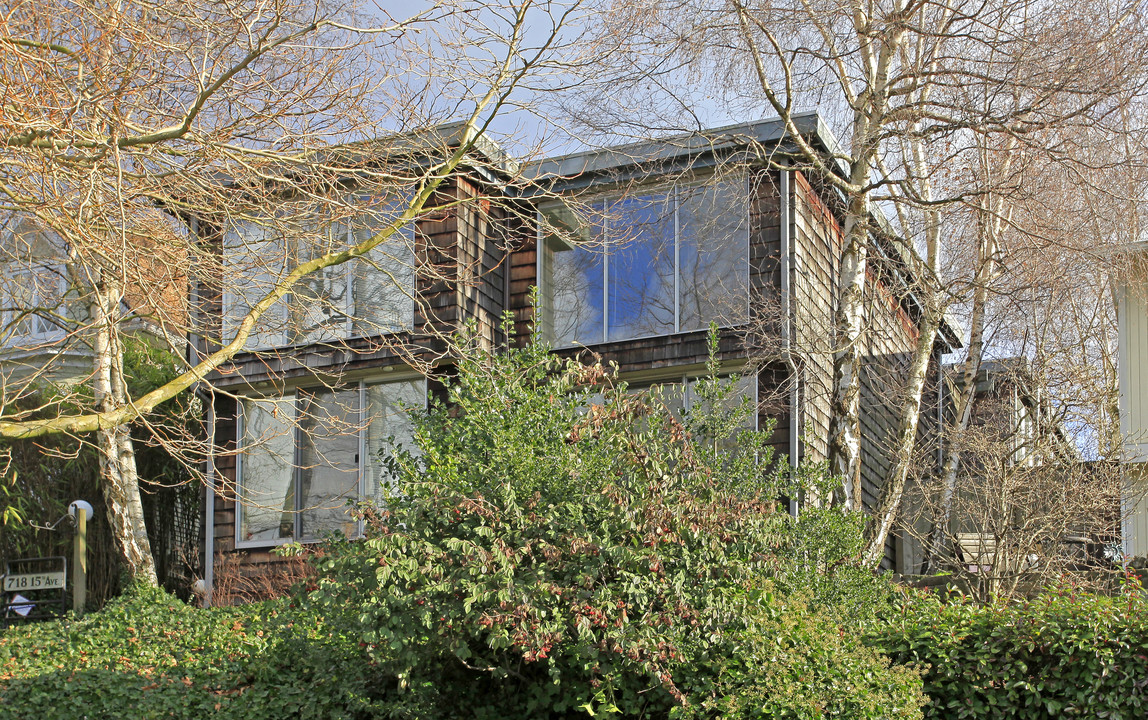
[363,490]
[677,262]
[349,293]
[543,324]
[240,480]
[748,189]
[296,474]
[605,274]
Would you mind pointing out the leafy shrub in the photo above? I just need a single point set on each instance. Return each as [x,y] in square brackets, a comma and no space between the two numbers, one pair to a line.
[147,655]
[561,546]
[789,662]
[1062,654]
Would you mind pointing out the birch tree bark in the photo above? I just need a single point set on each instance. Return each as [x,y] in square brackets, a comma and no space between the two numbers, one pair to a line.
[989,225]
[120,477]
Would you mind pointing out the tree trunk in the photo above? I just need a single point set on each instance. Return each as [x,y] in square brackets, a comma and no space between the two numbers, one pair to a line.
[844,432]
[964,411]
[986,271]
[118,475]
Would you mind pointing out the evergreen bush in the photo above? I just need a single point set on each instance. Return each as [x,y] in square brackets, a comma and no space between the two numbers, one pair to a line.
[560,546]
[1062,654]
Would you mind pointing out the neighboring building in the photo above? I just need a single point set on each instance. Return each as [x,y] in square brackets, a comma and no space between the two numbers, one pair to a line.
[38,330]
[1132,362]
[676,234]
[45,333]
[1016,463]
[45,354]
[1009,410]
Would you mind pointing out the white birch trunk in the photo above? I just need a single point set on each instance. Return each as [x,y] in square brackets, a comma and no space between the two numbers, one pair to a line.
[844,433]
[869,106]
[990,227]
[892,493]
[118,475]
[964,411]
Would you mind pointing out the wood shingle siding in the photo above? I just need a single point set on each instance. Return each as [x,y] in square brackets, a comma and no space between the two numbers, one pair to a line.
[476,257]
[817,239]
[460,253]
[888,341]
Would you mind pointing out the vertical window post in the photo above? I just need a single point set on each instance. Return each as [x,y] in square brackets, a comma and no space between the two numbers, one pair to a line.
[675,201]
[349,280]
[363,420]
[605,274]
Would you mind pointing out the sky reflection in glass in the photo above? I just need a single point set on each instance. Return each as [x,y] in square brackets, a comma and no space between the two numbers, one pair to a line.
[649,265]
[641,267]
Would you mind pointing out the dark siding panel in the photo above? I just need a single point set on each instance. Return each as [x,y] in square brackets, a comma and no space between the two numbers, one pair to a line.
[889,338]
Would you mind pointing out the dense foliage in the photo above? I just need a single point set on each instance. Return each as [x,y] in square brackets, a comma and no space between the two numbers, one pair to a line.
[558,547]
[561,546]
[1062,654]
[147,655]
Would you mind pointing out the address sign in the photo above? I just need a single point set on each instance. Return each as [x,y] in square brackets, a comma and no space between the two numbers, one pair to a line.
[34,581]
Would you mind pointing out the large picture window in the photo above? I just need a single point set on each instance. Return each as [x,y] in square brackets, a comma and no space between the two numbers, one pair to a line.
[643,265]
[304,457]
[371,295]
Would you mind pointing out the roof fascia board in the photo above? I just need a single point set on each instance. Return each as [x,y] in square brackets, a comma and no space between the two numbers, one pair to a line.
[414,150]
[679,153]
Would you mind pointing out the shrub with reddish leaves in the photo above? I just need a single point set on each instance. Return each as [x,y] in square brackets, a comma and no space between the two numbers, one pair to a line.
[560,546]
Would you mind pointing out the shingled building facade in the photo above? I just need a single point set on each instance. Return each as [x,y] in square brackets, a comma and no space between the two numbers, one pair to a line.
[632,252]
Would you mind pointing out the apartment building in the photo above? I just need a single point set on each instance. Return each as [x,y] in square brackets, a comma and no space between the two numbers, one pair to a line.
[632,252]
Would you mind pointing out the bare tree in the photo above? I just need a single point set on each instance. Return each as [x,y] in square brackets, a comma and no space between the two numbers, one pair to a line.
[139,138]
[1035,252]
[1025,511]
[917,89]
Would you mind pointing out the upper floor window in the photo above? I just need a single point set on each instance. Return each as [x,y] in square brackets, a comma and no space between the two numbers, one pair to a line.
[653,264]
[370,295]
[305,457]
[34,297]
[39,303]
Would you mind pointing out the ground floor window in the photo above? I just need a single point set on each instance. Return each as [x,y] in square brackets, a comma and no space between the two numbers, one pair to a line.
[680,393]
[304,457]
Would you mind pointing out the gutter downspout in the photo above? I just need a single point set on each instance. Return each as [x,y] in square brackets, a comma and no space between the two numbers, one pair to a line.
[788,309]
[940,411]
[508,252]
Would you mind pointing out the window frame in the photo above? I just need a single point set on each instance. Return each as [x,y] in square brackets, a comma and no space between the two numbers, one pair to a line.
[44,331]
[686,381]
[231,298]
[295,398]
[604,198]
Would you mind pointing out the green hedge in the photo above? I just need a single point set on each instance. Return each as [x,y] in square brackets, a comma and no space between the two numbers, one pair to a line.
[147,655]
[1063,654]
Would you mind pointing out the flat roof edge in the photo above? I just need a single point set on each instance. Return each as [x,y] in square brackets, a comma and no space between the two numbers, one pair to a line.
[677,148]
